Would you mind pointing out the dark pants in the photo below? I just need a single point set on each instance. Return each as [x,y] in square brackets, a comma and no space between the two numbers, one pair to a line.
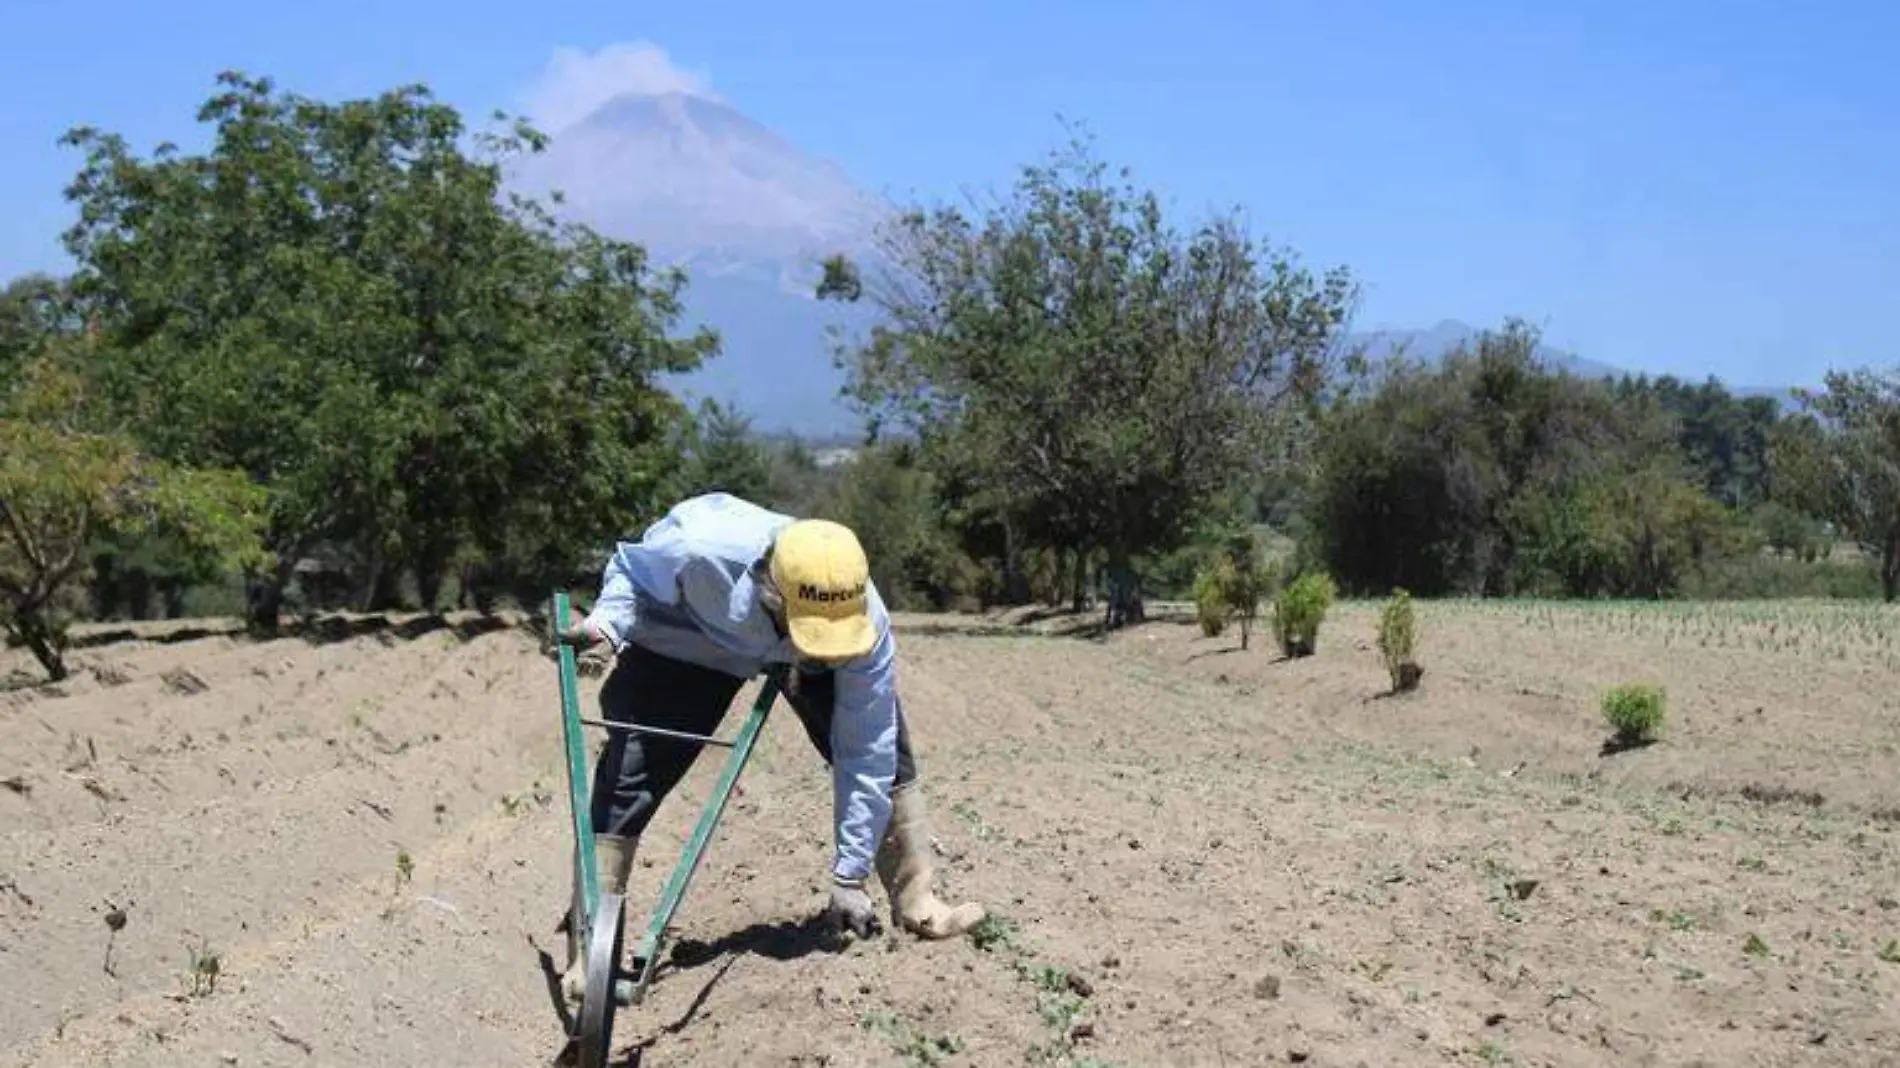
[636,771]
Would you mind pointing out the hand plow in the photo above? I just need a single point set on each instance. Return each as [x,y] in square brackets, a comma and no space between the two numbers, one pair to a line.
[599,920]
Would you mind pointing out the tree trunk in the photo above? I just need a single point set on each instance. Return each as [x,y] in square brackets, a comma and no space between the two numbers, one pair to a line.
[43,640]
[1079,582]
[1125,607]
[138,593]
[1015,581]
[264,594]
[430,569]
[429,588]
[105,586]
[1890,566]
[171,593]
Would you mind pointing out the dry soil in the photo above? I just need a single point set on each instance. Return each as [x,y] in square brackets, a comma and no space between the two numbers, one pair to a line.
[1195,855]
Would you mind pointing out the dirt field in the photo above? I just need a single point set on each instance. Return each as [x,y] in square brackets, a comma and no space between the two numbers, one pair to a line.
[1198,856]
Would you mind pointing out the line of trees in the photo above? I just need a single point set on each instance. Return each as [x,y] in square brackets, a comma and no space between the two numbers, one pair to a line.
[1489,473]
[330,358]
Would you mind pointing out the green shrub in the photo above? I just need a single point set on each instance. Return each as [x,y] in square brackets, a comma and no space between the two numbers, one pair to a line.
[1298,612]
[1635,712]
[1210,596]
[1246,577]
[1398,640]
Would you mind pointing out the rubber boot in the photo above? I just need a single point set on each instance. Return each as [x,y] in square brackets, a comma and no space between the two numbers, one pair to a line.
[903,866]
[613,860]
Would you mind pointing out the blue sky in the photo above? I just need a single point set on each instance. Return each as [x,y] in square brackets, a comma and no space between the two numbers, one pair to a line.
[1681,186]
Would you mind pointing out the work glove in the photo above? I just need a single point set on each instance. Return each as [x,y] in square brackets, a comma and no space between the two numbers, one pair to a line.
[851,908]
[582,637]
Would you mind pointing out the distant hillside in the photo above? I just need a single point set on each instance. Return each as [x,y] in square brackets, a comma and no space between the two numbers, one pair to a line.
[751,215]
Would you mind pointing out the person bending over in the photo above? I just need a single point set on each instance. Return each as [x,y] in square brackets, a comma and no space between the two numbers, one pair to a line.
[714,592]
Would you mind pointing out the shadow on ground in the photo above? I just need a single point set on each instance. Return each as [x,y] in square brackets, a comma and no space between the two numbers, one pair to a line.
[316,630]
[783,941]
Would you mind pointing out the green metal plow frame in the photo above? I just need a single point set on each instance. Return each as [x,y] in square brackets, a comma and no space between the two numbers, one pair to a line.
[578,783]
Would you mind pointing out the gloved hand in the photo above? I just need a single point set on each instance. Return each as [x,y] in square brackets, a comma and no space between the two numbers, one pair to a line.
[851,908]
[582,637]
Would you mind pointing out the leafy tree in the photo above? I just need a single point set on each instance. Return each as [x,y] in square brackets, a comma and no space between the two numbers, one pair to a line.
[725,455]
[1787,531]
[1723,438]
[1841,460]
[1409,483]
[336,299]
[891,502]
[1491,473]
[65,482]
[1631,533]
[1095,377]
[35,310]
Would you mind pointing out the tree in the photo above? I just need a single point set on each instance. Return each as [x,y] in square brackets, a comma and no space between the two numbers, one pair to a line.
[337,299]
[35,309]
[1637,532]
[1416,479]
[1723,438]
[1841,460]
[64,482]
[892,504]
[1096,377]
[1491,473]
[724,454]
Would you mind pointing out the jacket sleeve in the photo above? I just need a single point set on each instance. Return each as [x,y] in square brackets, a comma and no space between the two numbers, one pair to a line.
[864,749]
[613,614]
[651,566]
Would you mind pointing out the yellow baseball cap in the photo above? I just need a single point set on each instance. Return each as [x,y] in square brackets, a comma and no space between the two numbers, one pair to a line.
[821,572]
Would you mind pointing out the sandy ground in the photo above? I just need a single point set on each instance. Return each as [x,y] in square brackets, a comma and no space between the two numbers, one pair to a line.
[1196,855]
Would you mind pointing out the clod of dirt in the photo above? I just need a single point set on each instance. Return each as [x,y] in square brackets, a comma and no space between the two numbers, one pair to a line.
[1522,888]
[1494,1019]
[1297,1056]
[1111,961]
[1080,985]
[180,681]
[115,919]
[1267,988]
[17,784]
[1083,1029]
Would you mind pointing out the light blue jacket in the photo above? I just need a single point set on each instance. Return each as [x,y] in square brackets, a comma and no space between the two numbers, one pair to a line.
[685,590]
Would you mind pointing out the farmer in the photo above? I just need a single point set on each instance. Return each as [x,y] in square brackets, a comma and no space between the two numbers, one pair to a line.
[714,592]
